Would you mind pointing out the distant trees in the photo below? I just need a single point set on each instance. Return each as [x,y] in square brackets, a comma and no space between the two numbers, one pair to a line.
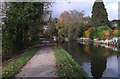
[54,30]
[101,33]
[99,14]
[72,24]
[100,24]
[62,24]
[77,24]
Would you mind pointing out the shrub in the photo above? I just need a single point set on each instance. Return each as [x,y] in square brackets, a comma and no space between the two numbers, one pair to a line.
[106,34]
[115,33]
[102,33]
[93,34]
[88,32]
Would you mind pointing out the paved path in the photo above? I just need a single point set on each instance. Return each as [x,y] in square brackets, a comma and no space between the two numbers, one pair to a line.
[42,64]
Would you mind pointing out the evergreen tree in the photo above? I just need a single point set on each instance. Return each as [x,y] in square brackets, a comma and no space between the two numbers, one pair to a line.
[99,14]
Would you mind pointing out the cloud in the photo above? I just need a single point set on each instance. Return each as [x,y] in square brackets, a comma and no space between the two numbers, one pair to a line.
[59,7]
[112,10]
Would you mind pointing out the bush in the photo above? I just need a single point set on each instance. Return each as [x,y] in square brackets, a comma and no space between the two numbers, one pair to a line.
[115,33]
[88,32]
[93,34]
[102,33]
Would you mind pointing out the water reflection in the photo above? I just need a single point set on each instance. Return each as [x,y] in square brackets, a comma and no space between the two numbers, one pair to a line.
[98,66]
[119,67]
[112,66]
[97,61]
[115,49]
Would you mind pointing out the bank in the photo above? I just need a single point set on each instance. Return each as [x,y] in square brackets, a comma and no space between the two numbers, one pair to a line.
[66,66]
[13,66]
[94,41]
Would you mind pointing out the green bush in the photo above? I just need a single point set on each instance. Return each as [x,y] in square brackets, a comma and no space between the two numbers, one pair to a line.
[102,33]
[93,34]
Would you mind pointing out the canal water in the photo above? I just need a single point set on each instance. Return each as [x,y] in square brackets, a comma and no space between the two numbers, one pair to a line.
[96,60]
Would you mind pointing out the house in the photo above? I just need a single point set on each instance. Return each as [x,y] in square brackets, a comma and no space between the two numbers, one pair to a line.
[114,23]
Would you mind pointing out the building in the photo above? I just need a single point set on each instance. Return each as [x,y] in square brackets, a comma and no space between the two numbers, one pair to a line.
[114,23]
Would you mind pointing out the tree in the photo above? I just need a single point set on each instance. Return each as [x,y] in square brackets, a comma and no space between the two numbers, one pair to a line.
[77,24]
[49,25]
[72,24]
[62,24]
[54,30]
[99,14]
[23,24]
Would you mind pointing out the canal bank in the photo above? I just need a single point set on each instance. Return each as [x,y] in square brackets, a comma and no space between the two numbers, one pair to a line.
[66,66]
[114,42]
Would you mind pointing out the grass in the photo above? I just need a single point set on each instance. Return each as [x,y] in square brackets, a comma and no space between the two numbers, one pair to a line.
[14,67]
[66,66]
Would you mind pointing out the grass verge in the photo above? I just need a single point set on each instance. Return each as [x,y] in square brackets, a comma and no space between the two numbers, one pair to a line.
[66,66]
[14,67]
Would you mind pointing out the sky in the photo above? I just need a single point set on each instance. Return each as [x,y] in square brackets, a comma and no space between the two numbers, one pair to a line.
[66,5]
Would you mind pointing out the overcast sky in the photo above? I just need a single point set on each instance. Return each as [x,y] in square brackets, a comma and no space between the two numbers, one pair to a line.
[66,5]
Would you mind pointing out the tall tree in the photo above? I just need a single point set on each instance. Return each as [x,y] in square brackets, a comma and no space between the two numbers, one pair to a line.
[49,25]
[99,14]
[22,21]
[72,24]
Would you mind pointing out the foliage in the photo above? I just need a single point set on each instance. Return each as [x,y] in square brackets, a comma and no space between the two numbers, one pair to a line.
[77,25]
[66,66]
[54,30]
[102,33]
[72,24]
[88,32]
[106,34]
[99,14]
[115,33]
[62,24]
[23,25]
[93,34]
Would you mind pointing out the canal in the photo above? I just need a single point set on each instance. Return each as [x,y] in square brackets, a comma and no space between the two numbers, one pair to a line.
[97,61]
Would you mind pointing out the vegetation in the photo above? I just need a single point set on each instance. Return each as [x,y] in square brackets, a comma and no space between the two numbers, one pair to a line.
[72,25]
[99,15]
[101,33]
[66,66]
[23,25]
[10,69]
[88,32]
[51,29]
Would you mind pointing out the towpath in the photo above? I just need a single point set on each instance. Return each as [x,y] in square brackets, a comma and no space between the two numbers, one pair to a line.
[42,64]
